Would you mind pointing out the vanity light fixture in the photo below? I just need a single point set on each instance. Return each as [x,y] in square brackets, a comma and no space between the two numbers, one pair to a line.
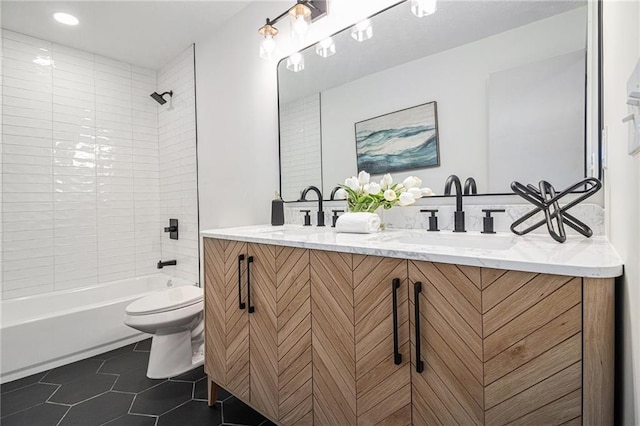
[422,8]
[295,62]
[362,30]
[302,14]
[326,47]
[65,18]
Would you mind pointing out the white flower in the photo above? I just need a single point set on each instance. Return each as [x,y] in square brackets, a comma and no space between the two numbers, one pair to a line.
[412,182]
[340,194]
[386,181]
[363,178]
[352,183]
[427,192]
[406,199]
[372,188]
[390,195]
[415,193]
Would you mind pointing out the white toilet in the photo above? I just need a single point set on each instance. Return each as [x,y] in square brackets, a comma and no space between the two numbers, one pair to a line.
[175,318]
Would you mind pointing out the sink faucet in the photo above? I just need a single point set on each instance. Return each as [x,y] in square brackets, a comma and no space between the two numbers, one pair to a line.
[470,187]
[458,216]
[303,197]
[333,193]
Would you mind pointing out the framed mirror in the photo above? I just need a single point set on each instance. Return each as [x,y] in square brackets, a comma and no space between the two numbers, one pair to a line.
[515,84]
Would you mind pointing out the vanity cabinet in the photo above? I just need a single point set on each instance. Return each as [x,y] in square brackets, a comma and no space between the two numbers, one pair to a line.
[350,339]
[258,326]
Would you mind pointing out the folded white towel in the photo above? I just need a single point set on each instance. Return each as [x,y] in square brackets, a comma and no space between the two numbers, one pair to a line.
[358,223]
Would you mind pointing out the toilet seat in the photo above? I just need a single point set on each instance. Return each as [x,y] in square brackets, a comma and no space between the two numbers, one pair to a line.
[166,300]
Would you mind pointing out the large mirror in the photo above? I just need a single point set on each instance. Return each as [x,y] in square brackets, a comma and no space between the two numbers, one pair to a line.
[494,90]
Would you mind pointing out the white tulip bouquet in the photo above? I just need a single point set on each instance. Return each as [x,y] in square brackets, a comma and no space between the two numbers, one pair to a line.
[362,195]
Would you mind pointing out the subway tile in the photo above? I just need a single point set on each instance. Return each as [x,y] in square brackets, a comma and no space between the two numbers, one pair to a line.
[70,51]
[26,264]
[25,84]
[25,131]
[31,197]
[9,188]
[34,252]
[28,291]
[22,243]
[18,278]
[35,151]
[25,66]
[82,255]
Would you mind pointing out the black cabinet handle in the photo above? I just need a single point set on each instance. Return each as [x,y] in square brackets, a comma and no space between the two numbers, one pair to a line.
[249,262]
[397,356]
[240,260]
[417,289]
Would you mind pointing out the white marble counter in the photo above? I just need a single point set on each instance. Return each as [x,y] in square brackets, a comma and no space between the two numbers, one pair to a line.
[578,256]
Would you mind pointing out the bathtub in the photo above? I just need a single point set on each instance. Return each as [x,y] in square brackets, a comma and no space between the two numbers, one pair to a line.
[48,330]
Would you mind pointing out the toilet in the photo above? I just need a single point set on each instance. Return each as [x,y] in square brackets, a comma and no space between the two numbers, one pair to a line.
[175,319]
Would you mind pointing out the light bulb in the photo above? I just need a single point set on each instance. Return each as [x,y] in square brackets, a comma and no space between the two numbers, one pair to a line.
[295,62]
[362,30]
[65,18]
[300,26]
[422,8]
[326,48]
[268,47]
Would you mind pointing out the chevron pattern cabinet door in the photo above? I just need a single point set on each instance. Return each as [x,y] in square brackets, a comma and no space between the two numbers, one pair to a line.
[237,321]
[215,311]
[450,389]
[293,294]
[532,348]
[383,388]
[333,336]
[263,335]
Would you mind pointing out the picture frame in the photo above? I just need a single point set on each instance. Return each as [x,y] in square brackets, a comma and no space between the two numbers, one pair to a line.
[402,140]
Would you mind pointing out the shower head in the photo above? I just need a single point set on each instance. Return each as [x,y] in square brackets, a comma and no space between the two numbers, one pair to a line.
[160,97]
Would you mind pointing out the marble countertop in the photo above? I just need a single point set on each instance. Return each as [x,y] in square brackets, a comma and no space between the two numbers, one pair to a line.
[592,257]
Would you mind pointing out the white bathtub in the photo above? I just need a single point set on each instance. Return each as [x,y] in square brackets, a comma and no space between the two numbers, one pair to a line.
[45,331]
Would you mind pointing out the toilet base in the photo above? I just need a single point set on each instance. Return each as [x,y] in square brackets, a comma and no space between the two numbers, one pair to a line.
[173,354]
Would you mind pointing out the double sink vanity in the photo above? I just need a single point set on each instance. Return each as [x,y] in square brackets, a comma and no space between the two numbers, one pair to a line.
[310,326]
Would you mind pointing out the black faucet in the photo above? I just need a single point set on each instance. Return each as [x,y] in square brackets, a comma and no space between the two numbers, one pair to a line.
[458,216]
[470,187]
[333,193]
[162,264]
[303,197]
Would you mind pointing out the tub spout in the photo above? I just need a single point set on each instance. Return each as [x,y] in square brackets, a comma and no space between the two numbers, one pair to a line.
[162,264]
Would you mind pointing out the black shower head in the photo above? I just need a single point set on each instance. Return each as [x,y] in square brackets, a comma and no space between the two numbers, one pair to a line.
[160,98]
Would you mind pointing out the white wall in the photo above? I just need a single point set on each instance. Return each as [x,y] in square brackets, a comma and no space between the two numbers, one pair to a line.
[621,21]
[458,80]
[178,171]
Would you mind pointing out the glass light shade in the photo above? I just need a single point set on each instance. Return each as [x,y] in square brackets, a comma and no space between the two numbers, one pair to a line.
[326,47]
[362,30]
[268,47]
[295,62]
[300,15]
[268,44]
[422,8]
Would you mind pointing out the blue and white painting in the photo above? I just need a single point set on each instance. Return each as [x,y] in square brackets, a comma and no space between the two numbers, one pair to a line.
[402,140]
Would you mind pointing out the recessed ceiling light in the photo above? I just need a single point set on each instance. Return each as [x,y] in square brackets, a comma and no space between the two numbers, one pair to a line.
[65,18]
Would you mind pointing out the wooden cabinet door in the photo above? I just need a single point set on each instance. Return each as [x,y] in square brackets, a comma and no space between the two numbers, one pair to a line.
[227,321]
[447,373]
[383,376]
[263,338]
[293,294]
[355,376]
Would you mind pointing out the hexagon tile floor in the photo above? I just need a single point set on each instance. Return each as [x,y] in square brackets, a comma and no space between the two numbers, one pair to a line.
[113,389]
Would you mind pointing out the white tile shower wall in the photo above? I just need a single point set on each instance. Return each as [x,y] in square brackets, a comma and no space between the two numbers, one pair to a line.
[80,180]
[300,134]
[178,171]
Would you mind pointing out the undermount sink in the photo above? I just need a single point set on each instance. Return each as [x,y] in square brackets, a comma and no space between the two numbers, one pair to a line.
[459,240]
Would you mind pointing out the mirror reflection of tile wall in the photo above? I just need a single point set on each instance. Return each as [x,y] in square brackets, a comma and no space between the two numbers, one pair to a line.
[301,155]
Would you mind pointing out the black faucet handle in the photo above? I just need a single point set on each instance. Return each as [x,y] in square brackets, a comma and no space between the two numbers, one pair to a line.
[433,219]
[307,217]
[335,216]
[487,221]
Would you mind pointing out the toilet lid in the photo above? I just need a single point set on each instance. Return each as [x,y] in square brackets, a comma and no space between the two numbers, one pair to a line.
[166,300]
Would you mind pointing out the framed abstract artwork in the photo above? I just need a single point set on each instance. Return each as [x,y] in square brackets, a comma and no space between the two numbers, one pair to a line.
[402,140]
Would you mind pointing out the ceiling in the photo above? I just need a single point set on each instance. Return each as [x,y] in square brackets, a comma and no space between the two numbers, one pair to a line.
[144,33]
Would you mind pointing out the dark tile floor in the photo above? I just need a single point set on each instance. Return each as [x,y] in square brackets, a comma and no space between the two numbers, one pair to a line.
[113,389]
